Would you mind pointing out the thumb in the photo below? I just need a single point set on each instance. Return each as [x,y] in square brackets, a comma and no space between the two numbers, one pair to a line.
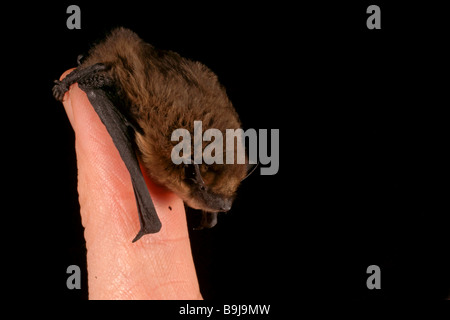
[158,266]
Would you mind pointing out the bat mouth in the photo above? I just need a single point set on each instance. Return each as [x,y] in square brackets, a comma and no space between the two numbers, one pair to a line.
[209,202]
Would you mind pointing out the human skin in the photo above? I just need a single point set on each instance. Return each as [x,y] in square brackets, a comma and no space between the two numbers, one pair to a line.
[158,266]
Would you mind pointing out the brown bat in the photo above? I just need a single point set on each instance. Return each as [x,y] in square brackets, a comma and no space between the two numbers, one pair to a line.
[142,95]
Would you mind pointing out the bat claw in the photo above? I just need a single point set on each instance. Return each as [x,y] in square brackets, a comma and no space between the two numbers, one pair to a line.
[80,59]
[59,90]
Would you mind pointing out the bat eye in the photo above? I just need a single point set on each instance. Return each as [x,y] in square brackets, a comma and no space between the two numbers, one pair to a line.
[192,173]
[203,169]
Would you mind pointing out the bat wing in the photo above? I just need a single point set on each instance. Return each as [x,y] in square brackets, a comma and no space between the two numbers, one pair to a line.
[122,131]
[122,134]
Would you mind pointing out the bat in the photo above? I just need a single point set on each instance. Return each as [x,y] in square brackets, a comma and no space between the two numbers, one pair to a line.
[142,94]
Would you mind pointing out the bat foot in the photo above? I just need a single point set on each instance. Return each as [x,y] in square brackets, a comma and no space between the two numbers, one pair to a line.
[59,90]
[89,77]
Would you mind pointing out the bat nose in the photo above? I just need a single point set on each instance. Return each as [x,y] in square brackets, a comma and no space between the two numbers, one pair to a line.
[226,206]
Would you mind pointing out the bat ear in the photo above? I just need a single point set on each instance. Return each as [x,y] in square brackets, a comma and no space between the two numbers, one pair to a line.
[250,169]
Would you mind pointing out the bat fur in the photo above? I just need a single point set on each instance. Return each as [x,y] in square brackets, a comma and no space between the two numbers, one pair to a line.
[160,91]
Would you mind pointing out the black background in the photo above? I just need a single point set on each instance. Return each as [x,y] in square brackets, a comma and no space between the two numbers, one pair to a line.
[362,133]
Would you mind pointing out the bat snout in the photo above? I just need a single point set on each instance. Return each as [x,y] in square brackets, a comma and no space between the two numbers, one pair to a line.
[226,205]
[218,205]
[209,202]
